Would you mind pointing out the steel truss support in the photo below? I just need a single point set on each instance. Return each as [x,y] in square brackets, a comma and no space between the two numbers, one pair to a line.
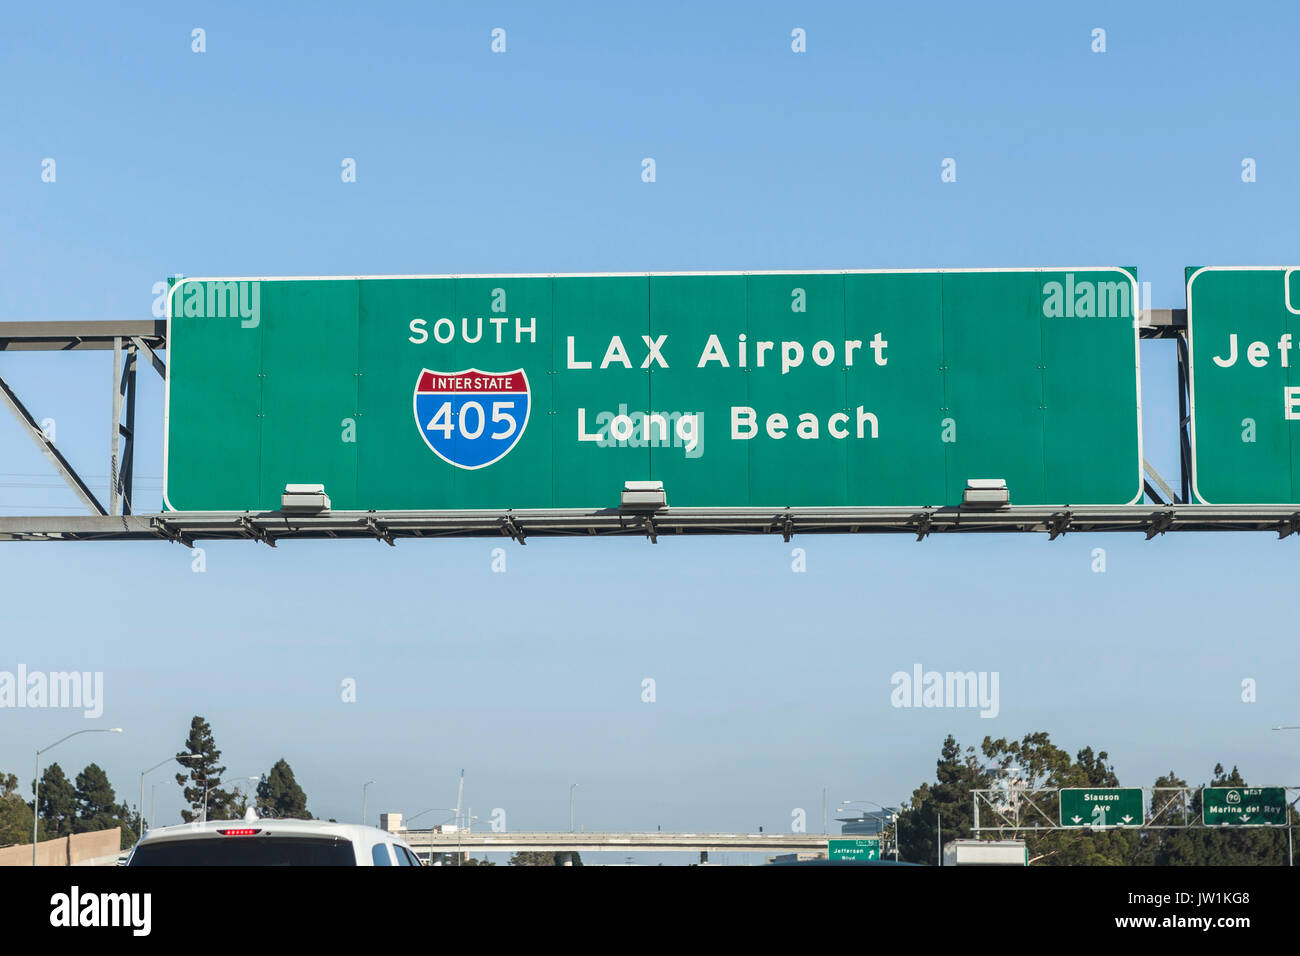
[121,467]
[52,454]
[125,339]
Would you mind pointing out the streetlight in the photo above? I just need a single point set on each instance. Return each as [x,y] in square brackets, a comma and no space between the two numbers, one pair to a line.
[1290,850]
[36,782]
[140,809]
[572,788]
[892,816]
[363,800]
[452,810]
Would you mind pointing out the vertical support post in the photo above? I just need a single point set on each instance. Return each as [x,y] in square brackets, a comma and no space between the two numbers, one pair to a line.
[128,432]
[1184,420]
[113,487]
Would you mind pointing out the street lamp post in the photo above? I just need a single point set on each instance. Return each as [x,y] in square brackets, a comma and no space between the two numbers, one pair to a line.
[140,809]
[892,817]
[364,795]
[451,810]
[1290,847]
[36,782]
[572,788]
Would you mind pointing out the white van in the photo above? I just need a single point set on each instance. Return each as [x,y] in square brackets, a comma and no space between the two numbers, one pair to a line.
[257,841]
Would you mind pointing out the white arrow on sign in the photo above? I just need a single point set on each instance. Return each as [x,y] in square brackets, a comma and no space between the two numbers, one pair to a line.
[1099,811]
[1127,818]
[1077,819]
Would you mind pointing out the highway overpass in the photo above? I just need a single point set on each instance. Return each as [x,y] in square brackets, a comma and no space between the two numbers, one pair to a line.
[656,842]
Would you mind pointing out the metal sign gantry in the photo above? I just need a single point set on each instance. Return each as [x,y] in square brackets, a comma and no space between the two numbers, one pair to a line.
[126,340]
[1021,809]
[119,521]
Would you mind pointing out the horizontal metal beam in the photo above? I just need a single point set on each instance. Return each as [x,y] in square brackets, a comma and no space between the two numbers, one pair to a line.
[273,526]
[1162,323]
[70,336]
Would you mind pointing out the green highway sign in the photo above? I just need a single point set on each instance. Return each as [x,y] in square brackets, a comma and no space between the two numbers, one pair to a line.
[853,850]
[1243,806]
[817,389]
[1243,336]
[1101,807]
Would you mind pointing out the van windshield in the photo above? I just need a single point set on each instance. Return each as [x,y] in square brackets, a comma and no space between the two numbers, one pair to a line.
[246,851]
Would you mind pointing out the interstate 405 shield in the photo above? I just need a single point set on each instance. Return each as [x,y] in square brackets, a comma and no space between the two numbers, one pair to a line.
[766,390]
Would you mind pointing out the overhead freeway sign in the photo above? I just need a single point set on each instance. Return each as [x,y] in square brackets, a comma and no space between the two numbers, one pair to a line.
[1243,335]
[1101,807]
[1243,806]
[853,849]
[813,390]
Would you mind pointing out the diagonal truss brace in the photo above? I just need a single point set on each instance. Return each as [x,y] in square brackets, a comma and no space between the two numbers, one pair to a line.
[55,457]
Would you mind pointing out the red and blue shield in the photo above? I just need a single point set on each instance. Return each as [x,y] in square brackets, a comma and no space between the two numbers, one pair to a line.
[470,418]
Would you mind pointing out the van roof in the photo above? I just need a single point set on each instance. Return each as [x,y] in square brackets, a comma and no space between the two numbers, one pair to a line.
[271,826]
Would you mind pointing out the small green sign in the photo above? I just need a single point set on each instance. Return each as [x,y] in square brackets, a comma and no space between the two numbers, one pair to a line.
[858,850]
[1243,806]
[1101,807]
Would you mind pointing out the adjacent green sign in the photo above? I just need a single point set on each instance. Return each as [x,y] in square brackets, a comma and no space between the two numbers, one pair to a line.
[1243,806]
[1101,807]
[1243,334]
[853,850]
[733,389]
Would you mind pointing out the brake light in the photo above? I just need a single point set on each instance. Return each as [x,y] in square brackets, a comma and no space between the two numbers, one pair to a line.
[240,832]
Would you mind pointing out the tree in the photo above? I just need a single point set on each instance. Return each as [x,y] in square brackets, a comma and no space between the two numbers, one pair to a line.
[15,813]
[543,858]
[947,803]
[1222,847]
[58,802]
[278,794]
[1035,762]
[97,807]
[204,770]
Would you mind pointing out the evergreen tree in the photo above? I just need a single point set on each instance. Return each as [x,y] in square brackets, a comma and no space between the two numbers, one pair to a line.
[948,803]
[203,771]
[278,794]
[58,802]
[97,807]
[15,813]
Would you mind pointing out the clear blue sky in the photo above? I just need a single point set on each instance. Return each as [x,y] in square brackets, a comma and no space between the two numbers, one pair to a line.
[771,685]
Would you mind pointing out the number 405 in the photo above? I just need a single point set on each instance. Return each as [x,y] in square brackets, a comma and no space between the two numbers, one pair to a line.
[473,419]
